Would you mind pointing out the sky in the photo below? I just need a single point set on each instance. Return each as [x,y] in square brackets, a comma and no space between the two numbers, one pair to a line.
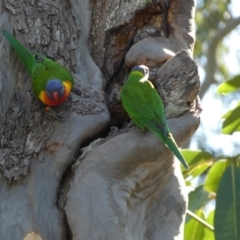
[233,40]
[235,8]
[215,106]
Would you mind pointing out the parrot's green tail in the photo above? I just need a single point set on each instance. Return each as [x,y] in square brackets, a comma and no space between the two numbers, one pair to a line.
[171,144]
[26,57]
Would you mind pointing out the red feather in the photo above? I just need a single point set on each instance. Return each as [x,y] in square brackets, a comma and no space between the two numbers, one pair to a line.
[52,102]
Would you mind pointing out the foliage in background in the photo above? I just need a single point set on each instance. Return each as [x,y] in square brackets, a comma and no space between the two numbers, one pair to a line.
[215,19]
[210,15]
[214,202]
[221,184]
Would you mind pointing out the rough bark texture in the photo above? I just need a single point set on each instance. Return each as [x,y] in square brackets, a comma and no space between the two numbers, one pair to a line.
[133,190]
[124,186]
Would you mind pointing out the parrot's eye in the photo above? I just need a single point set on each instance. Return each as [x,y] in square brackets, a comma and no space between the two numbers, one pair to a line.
[145,71]
[141,68]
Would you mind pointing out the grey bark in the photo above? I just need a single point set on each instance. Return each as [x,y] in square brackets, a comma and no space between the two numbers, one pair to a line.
[126,185]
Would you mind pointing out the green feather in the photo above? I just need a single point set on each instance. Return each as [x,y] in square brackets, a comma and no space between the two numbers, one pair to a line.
[41,69]
[47,70]
[26,57]
[142,102]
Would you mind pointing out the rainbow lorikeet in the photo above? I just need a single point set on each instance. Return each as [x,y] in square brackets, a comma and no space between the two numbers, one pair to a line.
[51,82]
[142,102]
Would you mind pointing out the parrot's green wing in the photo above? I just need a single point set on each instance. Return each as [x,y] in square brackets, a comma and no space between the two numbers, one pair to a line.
[46,70]
[43,70]
[26,56]
[144,105]
[142,102]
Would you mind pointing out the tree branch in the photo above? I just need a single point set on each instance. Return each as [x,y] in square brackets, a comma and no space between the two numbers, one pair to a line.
[197,218]
[211,65]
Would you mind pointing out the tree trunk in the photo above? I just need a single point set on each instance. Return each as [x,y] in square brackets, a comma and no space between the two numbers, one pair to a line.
[124,185]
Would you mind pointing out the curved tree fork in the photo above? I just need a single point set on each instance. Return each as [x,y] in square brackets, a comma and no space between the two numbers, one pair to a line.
[126,184]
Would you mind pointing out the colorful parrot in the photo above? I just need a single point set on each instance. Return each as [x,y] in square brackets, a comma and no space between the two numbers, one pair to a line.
[142,102]
[51,82]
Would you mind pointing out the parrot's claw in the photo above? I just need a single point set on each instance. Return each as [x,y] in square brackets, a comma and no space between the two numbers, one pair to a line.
[133,126]
[129,125]
[54,114]
[143,130]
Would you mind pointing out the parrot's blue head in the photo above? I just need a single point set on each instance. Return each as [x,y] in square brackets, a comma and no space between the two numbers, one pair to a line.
[54,89]
[143,69]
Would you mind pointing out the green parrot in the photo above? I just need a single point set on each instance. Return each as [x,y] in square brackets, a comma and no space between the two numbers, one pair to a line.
[51,82]
[142,102]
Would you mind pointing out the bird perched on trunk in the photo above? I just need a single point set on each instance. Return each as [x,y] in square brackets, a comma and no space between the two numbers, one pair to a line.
[51,82]
[143,103]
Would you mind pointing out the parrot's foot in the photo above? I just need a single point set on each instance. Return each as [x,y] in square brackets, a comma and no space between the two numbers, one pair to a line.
[143,130]
[133,126]
[54,114]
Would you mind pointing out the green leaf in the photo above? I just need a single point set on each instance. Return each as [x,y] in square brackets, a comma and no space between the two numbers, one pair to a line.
[195,156]
[227,213]
[208,234]
[188,183]
[230,85]
[214,175]
[198,162]
[193,230]
[198,169]
[197,199]
[231,123]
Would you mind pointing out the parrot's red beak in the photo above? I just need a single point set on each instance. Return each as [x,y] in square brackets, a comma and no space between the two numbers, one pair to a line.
[55,96]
